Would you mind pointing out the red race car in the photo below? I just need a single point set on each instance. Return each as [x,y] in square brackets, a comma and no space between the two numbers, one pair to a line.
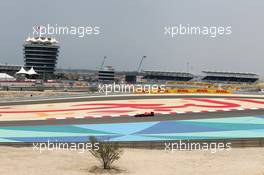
[146,114]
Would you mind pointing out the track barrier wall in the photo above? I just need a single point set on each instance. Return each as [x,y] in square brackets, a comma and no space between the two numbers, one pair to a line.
[189,91]
[160,145]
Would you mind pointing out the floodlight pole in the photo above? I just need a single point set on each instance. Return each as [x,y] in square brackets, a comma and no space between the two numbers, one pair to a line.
[139,66]
[102,65]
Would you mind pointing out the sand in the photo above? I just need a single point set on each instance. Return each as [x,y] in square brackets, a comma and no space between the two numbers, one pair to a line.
[238,161]
[14,94]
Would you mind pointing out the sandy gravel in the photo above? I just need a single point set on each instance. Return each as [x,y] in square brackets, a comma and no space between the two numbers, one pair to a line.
[13,94]
[239,161]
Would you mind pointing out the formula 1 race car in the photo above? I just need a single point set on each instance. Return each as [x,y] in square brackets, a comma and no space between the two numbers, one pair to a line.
[146,114]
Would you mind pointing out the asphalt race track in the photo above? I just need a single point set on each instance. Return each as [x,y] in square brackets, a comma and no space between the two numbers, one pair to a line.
[176,117]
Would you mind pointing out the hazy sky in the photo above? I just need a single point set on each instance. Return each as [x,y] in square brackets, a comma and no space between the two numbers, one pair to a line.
[131,29]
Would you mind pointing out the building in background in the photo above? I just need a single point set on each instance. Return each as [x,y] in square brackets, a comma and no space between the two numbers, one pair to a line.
[229,77]
[157,76]
[41,53]
[9,69]
[107,74]
[131,77]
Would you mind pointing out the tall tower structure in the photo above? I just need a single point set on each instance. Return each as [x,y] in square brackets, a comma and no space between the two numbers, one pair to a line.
[41,53]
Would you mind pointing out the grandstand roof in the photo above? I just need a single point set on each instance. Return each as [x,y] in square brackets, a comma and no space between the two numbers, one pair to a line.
[230,73]
[168,73]
[240,77]
[5,64]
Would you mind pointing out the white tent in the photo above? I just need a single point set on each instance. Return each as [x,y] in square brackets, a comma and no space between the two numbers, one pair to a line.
[4,76]
[32,72]
[22,71]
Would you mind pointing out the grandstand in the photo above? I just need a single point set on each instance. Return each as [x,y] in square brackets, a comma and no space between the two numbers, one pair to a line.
[9,68]
[229,77]
[166,76]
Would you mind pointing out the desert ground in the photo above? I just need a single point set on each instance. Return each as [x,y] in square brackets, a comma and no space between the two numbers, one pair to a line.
[13,94]
[238,161]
